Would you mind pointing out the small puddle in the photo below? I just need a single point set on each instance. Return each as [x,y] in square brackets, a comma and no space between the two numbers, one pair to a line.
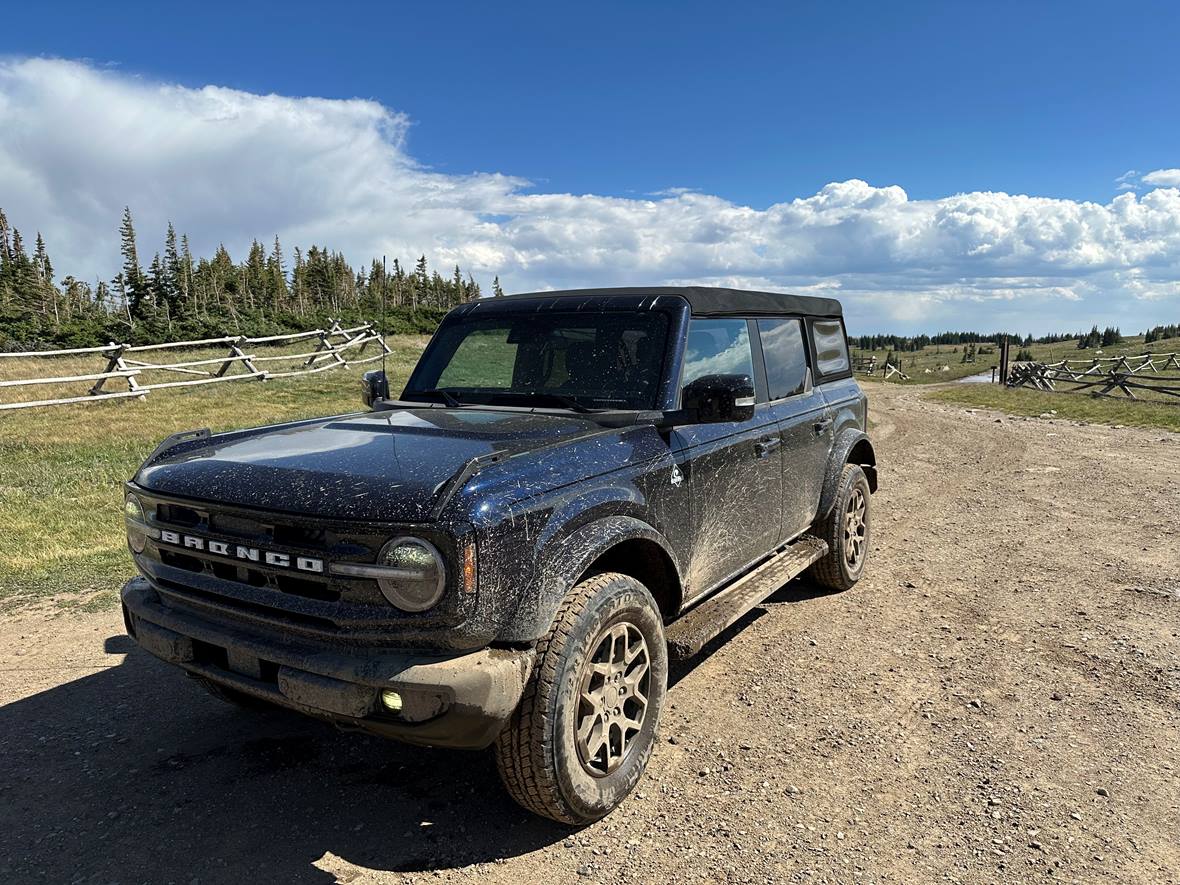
[981,378]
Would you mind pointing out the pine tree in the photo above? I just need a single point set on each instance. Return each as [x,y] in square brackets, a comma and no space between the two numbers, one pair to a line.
[158,282]
[297,281]
[7,271]
[185,281]
[5,248]
[421,283]
[102,295]
[41,262]
[497,289]
[173,275]
[256,276]
[134,282]
[277,275]
[45,292]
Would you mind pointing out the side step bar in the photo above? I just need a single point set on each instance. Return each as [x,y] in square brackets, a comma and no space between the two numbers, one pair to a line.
[690,633]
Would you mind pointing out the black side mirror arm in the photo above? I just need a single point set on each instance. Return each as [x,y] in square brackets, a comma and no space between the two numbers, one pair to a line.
[675,418]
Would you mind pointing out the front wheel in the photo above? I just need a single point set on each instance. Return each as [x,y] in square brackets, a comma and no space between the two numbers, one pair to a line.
[585,728]
[846,529]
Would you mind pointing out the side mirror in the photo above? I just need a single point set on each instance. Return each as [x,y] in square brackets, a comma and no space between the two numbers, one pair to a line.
[374,386]
[717,399]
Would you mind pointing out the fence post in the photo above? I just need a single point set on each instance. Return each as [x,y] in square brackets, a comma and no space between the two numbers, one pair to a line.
[236,353]
[325,346]
[115,364]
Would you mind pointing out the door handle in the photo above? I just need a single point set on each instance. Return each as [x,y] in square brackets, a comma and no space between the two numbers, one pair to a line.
[765,447]
[822,424]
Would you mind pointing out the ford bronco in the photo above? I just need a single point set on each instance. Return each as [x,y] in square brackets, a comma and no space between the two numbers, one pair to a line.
[572,489]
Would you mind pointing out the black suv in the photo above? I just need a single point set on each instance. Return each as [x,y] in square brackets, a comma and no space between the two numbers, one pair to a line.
[573,488]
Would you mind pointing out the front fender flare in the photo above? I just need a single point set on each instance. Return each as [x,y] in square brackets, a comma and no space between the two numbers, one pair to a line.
[845,442]
[567,558]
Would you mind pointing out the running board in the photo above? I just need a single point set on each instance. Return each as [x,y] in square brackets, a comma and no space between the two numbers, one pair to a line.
[689,634]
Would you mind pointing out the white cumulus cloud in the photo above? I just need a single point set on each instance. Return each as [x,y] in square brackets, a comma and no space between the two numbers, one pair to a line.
[77,143]
[1163,177]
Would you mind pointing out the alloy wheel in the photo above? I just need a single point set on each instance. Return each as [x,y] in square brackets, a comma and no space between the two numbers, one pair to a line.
[855,528]
[612,698]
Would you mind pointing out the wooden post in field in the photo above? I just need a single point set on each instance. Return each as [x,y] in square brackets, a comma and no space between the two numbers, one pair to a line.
[1004,345]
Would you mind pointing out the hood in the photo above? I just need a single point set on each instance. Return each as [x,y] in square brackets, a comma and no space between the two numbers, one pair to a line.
[384,466]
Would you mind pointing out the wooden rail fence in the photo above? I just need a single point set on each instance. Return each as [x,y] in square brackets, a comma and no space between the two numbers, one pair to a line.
[865,364]
[1104,376]
[334,348]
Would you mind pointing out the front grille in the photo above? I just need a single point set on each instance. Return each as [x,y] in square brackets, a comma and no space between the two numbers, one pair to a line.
[317,603]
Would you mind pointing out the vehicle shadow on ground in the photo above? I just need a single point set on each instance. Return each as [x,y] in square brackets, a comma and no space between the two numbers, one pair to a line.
[136,774]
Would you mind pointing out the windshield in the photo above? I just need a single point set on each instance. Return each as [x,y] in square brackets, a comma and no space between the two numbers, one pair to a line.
[563,360]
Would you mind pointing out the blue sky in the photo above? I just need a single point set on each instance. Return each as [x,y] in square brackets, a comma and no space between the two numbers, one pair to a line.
[751,105]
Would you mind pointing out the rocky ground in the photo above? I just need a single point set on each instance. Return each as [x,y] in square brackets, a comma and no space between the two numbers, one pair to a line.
[998,701]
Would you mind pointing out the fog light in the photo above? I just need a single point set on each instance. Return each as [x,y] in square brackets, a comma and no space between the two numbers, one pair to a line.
[391,701]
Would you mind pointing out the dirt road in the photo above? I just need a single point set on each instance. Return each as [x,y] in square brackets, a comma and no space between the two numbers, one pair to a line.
[998,701]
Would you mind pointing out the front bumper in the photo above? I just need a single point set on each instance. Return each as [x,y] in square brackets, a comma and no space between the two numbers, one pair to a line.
[455,701]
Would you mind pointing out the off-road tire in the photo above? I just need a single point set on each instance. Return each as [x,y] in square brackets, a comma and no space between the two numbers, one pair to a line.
[537,754]
[834,570]
[232,696]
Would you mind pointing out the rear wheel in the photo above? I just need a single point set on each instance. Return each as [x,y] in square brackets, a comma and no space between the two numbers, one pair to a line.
[847,530]
[585,728]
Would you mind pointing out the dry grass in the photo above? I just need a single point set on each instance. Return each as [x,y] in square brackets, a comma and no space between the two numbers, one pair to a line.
[62,467]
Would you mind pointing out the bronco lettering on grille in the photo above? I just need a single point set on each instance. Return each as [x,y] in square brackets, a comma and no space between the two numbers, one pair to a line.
[246,554]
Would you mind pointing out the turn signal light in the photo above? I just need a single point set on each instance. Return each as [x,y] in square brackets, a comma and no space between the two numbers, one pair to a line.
[469,573]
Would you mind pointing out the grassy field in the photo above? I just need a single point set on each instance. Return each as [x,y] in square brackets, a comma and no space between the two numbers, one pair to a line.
[1071,406]
[62,467]
[943,362]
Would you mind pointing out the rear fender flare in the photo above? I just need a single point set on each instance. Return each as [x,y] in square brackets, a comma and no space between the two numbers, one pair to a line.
[847,440]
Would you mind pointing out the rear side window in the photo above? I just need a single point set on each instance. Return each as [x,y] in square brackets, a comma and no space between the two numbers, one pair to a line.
[831,349]
[717,347]
[785,355]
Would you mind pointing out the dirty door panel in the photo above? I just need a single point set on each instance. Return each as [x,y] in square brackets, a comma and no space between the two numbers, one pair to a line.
[735,477]
[734,469]
[805,426]
[803,419]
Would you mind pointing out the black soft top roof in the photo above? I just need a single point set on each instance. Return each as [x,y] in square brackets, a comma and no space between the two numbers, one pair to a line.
[707,300]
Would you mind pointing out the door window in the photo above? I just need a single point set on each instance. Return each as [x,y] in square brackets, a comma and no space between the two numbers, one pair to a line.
[786,356]
[831,348]
[717,347]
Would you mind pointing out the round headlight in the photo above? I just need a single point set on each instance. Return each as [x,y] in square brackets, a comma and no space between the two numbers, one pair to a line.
[136,524]
[416,576]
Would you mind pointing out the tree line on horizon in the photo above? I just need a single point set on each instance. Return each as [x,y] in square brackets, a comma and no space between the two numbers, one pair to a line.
[1094,338]
[177,295]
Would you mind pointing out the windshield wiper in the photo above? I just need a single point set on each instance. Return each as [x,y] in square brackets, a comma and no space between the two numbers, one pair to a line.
[546,396]
[439,393]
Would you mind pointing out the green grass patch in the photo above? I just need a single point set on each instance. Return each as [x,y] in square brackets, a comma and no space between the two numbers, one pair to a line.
[62,469]
[1070,406]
